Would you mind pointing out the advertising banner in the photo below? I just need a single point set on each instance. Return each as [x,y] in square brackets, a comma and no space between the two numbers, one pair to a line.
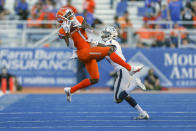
[174,67]
[40,67]
[45,67]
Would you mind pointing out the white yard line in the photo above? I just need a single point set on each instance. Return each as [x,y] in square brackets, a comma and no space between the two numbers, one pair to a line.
[44,121]
[93,112]
[125,126]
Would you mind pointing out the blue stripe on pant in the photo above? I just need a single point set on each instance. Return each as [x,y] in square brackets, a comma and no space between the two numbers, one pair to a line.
[118,86]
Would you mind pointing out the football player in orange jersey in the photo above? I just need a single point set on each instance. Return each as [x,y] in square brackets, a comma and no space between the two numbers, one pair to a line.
[73,32]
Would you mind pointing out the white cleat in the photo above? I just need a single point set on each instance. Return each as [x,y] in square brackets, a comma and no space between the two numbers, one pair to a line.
[140,84]
[143,116]
[68,93]
[135,69]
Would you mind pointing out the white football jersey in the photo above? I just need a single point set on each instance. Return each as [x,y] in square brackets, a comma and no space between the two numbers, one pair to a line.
[118,51]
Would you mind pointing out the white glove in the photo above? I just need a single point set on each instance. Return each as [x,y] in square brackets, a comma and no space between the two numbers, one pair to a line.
[66,26]
[74,55]
[93,42]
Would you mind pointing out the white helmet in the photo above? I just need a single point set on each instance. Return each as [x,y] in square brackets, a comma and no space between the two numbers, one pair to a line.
[108,33]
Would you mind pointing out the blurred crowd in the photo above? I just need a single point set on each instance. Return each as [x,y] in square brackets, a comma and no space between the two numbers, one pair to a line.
[154,10]
[170,10]
[46,10]
[152,34]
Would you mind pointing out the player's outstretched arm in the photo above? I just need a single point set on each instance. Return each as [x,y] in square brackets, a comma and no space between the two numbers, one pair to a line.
[85,25]
[96,43]
[66,38]
[64,33]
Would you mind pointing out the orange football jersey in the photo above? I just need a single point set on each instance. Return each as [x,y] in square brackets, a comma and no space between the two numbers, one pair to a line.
[78,35]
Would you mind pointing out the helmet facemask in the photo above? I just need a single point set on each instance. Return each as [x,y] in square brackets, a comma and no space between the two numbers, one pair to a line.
[105,35]
[64,14]
[109,33]
[69,15]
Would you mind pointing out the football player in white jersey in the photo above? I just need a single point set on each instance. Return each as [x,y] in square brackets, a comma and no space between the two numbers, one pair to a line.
[124,83]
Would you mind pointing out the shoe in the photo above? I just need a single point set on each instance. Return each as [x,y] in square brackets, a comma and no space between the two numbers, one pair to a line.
[135,69]
[140,84]
[68,93]
[143,116]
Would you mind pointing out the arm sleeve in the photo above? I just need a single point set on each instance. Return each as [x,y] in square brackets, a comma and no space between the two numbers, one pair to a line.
[80,19]
[62,35]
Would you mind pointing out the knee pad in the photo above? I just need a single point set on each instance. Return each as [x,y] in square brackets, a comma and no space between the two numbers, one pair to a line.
[123,95]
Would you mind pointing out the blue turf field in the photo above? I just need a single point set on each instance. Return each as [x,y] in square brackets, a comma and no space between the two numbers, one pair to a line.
[96,112]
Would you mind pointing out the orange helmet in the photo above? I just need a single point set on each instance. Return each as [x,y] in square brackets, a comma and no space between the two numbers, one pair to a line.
[64,14]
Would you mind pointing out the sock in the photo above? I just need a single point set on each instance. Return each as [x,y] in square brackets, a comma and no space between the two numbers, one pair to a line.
[131,101]
[139,109]
[117,59]
[82,84]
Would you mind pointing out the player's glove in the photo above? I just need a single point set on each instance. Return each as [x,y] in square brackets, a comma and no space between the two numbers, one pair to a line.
[93,42]
[66,26]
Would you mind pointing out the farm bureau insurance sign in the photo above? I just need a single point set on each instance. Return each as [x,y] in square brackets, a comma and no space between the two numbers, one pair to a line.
[40,67]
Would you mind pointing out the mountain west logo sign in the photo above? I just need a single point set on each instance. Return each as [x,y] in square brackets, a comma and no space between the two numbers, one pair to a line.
[139,58]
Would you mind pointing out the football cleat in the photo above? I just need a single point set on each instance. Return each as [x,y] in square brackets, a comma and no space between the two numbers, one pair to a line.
[135,69]
[140,84]
[68,93]
[142,116]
